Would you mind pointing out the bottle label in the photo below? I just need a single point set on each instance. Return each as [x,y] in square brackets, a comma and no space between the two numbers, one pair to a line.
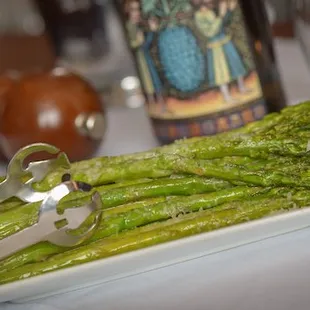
[195,65]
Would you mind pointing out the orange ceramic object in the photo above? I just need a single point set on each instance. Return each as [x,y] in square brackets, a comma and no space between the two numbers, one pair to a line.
[6,83]
[58,108]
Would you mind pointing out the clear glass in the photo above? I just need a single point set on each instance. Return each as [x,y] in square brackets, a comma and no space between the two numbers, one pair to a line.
[302,26]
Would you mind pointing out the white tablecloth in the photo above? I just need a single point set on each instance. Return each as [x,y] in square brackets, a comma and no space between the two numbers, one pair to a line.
[273,274]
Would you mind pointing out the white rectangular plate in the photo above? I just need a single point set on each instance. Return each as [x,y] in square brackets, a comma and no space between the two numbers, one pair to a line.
[160,256]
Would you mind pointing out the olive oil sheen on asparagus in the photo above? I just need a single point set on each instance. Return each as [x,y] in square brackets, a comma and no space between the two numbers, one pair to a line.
[205,66]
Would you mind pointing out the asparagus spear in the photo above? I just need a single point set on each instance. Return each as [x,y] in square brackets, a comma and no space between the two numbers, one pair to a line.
[245,147]
[20,218]
[139,217]
[10,204]
[166,164]
[222,216]
[286,134]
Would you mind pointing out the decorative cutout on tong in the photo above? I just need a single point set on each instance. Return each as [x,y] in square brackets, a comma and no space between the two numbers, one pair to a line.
[18,181]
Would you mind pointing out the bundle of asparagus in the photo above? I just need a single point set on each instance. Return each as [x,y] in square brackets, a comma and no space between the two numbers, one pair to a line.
[191,186]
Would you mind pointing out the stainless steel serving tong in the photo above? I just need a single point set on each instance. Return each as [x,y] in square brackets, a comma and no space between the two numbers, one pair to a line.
[46,230]
[15,185]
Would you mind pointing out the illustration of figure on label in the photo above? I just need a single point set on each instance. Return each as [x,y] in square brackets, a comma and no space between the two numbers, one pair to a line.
[224,63]
[141,40]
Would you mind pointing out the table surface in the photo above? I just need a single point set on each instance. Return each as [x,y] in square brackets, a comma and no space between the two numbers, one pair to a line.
[272,274]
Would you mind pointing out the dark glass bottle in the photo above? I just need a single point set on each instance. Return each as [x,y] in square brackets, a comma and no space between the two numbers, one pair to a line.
[261,40]
[206,66]
[77,28]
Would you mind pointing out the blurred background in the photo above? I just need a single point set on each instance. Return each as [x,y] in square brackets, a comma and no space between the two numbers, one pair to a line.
[85,39]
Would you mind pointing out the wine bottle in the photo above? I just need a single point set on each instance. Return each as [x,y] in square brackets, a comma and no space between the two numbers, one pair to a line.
[205,66]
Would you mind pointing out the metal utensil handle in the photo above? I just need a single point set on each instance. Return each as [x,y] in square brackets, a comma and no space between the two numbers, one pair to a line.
[8,188]
[22,240]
